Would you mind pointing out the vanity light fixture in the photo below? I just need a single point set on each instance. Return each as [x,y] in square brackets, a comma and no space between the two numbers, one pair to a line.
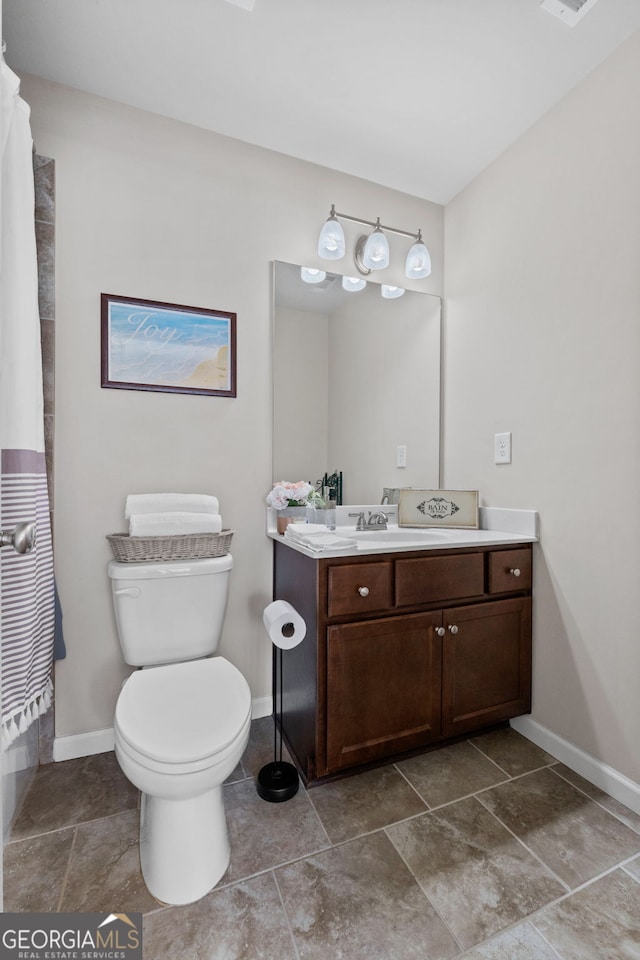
[331,243]
[352,284]
[372,251]
[390,293]
[311,275]
[418,263]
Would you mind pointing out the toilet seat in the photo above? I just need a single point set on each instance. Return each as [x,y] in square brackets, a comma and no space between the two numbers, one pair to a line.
[183,714]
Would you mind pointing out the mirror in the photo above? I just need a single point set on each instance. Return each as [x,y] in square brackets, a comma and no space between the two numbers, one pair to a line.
[355,377]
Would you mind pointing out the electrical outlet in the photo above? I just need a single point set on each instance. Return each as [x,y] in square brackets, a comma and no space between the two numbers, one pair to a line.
[401,456]
[502,448]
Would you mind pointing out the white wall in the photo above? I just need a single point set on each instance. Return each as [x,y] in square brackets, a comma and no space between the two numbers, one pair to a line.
[150,208]
[543,339]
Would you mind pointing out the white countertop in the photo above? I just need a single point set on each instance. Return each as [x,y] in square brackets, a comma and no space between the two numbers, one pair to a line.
[498,526]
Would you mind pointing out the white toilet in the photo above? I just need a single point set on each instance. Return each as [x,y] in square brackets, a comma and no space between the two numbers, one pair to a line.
[181,725]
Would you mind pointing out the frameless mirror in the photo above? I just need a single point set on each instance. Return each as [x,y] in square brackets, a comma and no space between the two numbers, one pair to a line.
[356,379]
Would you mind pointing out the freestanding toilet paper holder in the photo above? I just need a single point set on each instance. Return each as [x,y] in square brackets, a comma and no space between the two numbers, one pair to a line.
[277,781]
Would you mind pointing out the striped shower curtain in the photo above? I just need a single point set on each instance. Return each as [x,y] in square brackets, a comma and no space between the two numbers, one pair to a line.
[27,586]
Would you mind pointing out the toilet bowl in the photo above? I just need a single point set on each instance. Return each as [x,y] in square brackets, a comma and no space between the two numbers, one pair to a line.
[180,730]
[180,727]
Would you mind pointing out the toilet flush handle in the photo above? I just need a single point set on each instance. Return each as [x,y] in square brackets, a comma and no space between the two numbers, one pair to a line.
[128,592]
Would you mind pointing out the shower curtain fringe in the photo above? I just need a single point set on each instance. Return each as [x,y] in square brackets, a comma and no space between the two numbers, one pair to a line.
[13,726]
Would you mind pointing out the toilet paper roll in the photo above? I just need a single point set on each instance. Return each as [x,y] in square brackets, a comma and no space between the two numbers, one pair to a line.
[284,624]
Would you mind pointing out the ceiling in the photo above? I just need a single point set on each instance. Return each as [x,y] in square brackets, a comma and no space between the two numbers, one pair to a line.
[418,95]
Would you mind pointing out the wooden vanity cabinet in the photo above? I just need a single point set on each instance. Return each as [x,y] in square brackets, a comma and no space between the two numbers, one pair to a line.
[403,651]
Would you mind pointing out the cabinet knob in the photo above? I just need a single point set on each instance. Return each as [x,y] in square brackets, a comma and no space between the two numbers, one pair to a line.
[440,631]
[363,591]
[452,628]
[515,571]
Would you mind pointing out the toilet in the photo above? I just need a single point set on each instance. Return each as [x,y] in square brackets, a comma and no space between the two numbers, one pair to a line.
[182,722]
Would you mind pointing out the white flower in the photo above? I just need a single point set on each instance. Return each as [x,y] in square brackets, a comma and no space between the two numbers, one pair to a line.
[285,494]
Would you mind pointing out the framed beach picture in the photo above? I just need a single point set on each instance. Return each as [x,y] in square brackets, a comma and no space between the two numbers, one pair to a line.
[167,348]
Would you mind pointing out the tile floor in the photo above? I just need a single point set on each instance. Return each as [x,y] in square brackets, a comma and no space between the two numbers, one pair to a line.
[487,850]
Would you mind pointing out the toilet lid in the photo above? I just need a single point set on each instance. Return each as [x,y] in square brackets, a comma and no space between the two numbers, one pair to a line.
[183,712]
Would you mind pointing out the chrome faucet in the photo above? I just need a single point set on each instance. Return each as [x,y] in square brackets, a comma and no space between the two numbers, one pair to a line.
[375,521]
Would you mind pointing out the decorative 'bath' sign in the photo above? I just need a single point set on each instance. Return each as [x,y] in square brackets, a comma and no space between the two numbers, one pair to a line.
[438,508]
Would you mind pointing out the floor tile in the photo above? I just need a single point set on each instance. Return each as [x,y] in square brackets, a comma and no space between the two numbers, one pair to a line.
[450,773]
[74,791]
[599,922]
[34,871]
[244,921]
[104,869]
[633,867]
[358,901]
[264,835]
[366,802]
[613,806]
[475,873]
[575,837]
[512,752]
[519,943]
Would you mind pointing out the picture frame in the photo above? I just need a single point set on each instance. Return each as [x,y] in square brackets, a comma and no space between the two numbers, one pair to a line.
[167,347]
[438,508]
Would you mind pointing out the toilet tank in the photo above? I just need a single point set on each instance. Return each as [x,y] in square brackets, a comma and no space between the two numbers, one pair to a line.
[169,611]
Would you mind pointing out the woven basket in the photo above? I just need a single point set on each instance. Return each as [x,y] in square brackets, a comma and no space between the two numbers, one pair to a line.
[191,546]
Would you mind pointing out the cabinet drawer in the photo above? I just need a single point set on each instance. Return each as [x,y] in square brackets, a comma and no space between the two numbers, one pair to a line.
[436,579]
[360,588]
[509,570]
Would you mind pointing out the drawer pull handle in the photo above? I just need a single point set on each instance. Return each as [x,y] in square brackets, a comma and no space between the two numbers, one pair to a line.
[452,628]
[515,571]
[440,631]
[363,591]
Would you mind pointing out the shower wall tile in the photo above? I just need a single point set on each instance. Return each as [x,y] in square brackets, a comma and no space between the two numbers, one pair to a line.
[45,212]
[45,243]
[47,343]
[44,181]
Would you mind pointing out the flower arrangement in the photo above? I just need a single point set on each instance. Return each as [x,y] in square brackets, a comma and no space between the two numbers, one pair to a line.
[285,494]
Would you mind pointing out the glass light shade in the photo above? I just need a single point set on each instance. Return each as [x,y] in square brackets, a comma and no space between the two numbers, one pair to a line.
[418,263]
[311,275]
[390,293]
[331,245]
[351,284]
[376,251]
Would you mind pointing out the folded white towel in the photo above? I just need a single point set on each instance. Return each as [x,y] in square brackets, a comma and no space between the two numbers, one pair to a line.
[317,537]
[172,524]
[170,503]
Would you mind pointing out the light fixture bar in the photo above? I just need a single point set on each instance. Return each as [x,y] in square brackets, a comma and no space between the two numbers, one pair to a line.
[375,223]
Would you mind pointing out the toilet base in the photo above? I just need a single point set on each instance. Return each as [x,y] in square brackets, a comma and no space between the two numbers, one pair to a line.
[184,845]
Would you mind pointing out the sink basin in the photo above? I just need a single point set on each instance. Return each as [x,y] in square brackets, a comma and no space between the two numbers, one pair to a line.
[400,536]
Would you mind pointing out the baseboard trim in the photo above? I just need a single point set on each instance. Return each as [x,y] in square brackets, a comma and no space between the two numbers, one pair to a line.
[101,741]
[82,745]
[616,784]
[261,707]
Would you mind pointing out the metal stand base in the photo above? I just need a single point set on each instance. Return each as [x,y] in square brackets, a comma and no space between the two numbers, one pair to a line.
[277,781]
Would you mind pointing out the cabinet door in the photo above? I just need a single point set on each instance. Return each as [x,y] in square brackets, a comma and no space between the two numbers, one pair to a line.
[383,688]
[486,664]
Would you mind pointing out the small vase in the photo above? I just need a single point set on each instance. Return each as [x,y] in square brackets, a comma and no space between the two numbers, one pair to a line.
[290,515]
